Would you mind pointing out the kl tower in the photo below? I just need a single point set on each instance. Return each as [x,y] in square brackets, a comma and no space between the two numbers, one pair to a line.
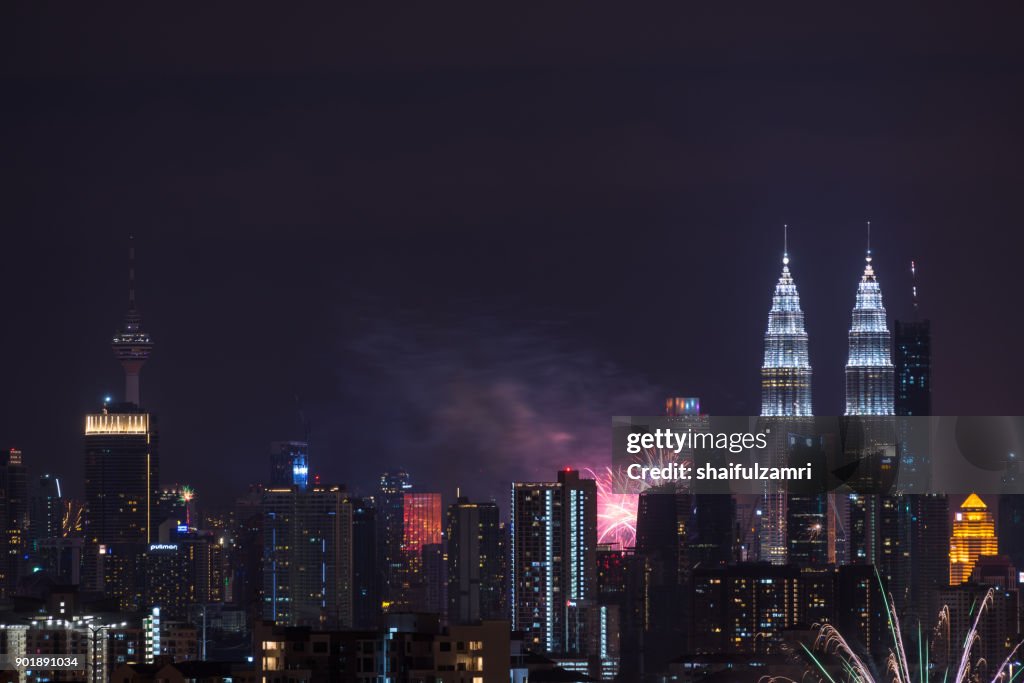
[131,345]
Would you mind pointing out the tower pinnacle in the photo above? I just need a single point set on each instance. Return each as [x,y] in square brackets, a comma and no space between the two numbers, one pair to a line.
[130,344]
[869,369]
[786,371]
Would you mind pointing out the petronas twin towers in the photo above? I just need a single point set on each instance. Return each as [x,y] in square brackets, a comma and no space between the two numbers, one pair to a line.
[786,372]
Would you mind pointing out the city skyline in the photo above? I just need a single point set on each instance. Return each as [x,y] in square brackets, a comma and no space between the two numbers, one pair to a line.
[295,413]
[542,344]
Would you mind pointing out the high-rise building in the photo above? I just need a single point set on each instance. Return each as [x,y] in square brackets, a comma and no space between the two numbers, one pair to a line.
[170,578]
[612,584]
[130,344]
[870,384]
[307,556]
[14,518]
[1011,527]
[748,609]
[974,535]
[554,564]
[121,475]
[289,464]
[47,508]
[869,370]
[786,397]
[435,580]
[391,529]
[474,562]
[924,553]
[365,577]
[711,531]
[913,347]
[786,371]
[421,515]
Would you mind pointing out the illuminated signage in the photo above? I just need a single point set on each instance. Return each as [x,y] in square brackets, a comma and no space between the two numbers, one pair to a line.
[163,546]
[117,423]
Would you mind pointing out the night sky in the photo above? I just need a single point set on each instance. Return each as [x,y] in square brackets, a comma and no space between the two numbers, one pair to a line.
[461,241]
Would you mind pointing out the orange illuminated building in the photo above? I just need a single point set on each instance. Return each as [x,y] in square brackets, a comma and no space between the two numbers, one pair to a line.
[974,535]
[421,526]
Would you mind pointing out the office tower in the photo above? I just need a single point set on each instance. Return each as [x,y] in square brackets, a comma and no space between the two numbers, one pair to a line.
[785,394]
[246,555]
[47,508]
[131,345]
[435,580]
[974,535]
[121,489]
[924,552]
[1011,528]
[121,475]
[661,581]
[870,383]
[14,519]
[289,464]
[554,562]
[391,527]
[711,531]
[786,372]
[365,577]
[869,370]
[913,347]
[474,562]
[55,546]
[421,515]
[807,530]
[307,557]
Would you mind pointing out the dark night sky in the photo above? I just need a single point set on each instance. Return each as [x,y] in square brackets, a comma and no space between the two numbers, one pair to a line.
[465,240]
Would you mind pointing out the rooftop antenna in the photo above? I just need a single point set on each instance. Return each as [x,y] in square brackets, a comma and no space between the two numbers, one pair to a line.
[785,244]
[913,288]
[868,258]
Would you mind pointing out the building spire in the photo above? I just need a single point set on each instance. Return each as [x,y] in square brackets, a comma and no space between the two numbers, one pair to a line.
[913,288]
[869,369]
[131,345]
[868,257]
[786,371]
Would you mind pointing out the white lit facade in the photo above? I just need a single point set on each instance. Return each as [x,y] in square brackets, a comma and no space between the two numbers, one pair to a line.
[870,378]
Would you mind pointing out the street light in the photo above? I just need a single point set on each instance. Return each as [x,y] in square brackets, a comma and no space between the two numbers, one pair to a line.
[94,630]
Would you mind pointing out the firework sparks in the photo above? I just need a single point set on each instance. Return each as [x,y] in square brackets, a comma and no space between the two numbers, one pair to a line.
[897,665]
[616,512]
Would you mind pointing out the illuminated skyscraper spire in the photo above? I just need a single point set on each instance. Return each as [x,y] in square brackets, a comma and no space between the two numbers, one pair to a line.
[869,369]
[786,372]
[131,345]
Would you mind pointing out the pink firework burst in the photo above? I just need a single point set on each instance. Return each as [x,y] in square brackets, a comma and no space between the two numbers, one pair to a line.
[616,512]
